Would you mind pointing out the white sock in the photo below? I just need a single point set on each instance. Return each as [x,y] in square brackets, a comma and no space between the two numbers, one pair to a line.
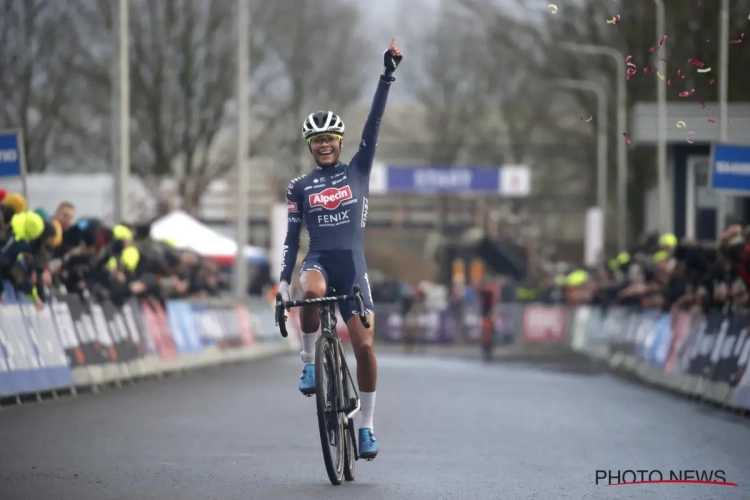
[308,347]
[367,401]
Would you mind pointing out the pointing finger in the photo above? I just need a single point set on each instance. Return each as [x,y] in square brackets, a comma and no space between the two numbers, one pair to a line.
[393,43]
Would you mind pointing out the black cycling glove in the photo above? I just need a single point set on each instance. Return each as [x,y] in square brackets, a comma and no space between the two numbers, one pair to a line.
[390,63]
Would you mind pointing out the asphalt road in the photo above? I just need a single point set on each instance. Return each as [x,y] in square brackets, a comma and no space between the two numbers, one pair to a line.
[448,428]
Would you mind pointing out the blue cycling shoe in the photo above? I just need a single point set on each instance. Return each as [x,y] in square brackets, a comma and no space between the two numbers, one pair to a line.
[307,380]
[368,445]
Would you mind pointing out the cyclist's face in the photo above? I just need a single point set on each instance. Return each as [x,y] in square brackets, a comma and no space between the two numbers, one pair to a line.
[325,149]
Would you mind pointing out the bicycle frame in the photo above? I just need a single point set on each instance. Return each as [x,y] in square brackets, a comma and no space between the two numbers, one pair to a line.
[344,403]
[328,330]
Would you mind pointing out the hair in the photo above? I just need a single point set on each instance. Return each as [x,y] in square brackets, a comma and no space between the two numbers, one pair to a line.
[66,204]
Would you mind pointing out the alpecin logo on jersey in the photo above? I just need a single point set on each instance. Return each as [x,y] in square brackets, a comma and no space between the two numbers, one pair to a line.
[330,198]
[291,207]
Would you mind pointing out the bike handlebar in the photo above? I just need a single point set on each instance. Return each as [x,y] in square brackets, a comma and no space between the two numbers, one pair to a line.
[282,305]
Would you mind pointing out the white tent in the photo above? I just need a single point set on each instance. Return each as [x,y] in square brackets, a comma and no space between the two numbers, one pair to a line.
[186,232]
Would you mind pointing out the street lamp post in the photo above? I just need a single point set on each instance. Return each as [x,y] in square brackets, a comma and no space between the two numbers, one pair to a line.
[622,153]
[601,141]
[723,90]
[243,119]
[665,222]
[121,106]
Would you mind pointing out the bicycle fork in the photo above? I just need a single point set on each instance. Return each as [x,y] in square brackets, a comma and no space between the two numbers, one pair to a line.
[352,404]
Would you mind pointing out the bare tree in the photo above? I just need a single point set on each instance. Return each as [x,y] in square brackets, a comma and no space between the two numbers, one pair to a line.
[484,93]
[35,60]
[183,80]
[314,54]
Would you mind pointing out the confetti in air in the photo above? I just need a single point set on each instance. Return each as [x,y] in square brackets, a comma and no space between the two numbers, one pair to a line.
[654,48]
[663,39]
[687,93]
[695,62]
[648,70]
[688,137]
[660,75]
[703,103]
[614,20]
[627,138]
[704,70]
[552,8]
[627,59]
[681,124]
[739,40]
[587,119]
[711,120]
[711,81]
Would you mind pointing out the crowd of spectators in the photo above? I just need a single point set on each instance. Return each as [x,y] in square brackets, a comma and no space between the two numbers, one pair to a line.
[43,253]
[658,272]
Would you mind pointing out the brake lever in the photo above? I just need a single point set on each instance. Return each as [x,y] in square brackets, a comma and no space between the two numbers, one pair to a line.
[361,306]
[280,316]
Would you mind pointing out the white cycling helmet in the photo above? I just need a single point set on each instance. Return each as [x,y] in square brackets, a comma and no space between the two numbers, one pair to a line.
[322,122]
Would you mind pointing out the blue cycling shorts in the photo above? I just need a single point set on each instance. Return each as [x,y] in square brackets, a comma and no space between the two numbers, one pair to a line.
[342,269]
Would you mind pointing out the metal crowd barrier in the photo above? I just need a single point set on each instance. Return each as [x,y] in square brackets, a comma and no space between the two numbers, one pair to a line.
[74,343]
[704,356]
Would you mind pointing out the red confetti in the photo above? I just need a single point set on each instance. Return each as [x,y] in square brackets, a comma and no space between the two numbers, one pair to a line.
[735,42]
[711,81]
[687,93]
[627,59]
[703,103]
[587,120]
[680,75]
[627,138]
[648,70]
[630,73]
[711,120]
[661,42]
[654,48]
[631,65]
[671,81]
[695,62]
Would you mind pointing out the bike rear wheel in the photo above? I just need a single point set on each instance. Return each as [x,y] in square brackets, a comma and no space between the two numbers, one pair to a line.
[330,421]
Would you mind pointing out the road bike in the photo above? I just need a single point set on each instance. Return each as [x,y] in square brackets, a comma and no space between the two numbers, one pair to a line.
[336,396]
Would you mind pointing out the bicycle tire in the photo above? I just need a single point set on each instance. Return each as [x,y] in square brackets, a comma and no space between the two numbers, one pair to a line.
[324,377]
[349,458]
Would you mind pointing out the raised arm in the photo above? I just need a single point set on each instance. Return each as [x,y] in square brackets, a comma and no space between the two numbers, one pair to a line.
[366,153]
[294,201]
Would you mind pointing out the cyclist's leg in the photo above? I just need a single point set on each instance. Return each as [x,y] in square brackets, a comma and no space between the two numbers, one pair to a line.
[313,280]
[314,284]
[363,345]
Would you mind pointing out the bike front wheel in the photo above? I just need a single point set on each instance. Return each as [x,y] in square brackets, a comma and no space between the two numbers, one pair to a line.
[330,421]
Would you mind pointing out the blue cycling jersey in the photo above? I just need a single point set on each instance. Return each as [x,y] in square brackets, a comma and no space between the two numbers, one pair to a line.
[332,201]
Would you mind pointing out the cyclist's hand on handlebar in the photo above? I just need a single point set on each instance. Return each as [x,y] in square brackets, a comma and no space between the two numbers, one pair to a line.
[284,291]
